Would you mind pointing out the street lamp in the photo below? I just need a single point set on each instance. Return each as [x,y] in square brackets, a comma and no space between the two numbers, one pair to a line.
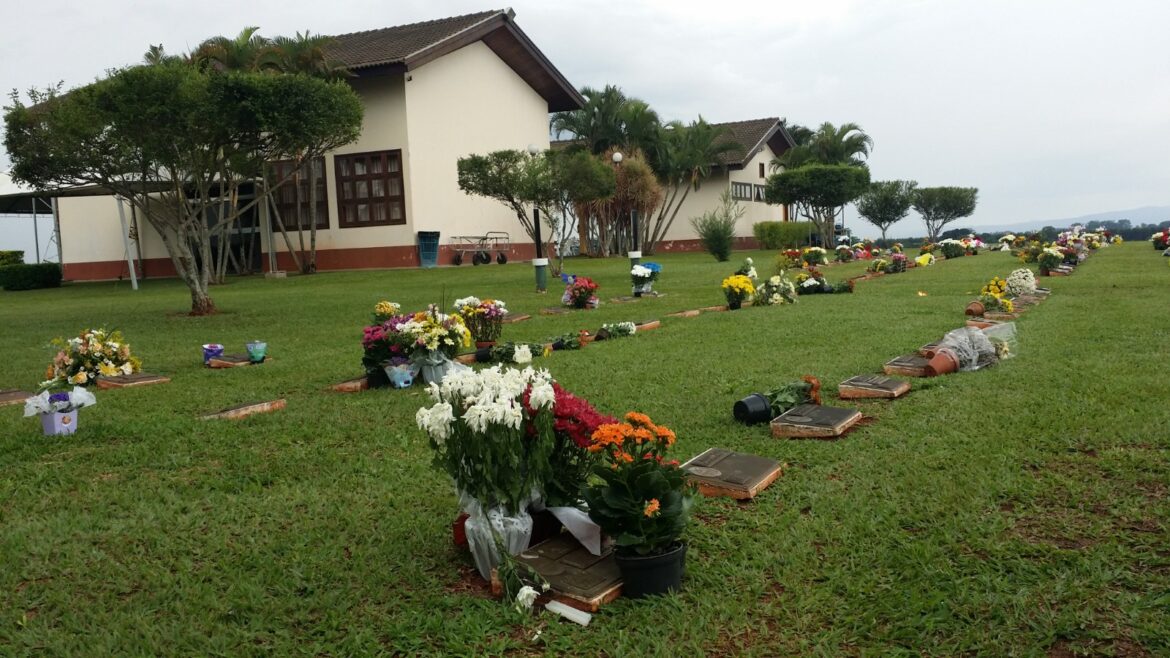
[634,254]
[540,263]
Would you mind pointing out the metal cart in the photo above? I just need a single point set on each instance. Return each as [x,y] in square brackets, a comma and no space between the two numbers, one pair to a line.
[481,247]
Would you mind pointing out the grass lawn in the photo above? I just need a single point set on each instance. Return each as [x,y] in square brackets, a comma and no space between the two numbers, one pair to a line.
[1020,510]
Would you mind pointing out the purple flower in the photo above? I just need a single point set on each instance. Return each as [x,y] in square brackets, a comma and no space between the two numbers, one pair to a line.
[59,397]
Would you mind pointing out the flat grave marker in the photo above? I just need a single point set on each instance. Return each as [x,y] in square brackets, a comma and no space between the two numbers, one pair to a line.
[126,381]
[814,421]
[245,410]
[649,325]
[576,577]
[555,310]
[872,386]
[907,365]
[684,314]
[513,319]
[233,361]
[741,476]
[355,385]
[13,396]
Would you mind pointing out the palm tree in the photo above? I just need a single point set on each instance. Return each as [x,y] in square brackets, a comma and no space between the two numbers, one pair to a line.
[304,53]
[608,119]
[241,53]
[156,55]
[847,144]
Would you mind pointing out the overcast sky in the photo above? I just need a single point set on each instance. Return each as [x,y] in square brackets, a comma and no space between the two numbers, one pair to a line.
[1051,108]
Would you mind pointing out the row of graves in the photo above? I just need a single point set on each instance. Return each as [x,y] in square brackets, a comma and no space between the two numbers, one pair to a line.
[562,505]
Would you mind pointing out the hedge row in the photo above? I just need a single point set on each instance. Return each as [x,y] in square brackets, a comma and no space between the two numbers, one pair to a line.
[30,277]
[782,235]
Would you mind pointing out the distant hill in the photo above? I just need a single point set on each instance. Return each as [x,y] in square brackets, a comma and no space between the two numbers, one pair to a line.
[1146,215]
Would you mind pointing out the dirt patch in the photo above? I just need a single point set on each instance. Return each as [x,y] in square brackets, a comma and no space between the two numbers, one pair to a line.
[470,584]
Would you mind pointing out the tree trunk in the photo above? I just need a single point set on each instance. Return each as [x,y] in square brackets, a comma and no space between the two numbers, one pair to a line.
[312,264]
[201,303]
[300,218]
[275,214]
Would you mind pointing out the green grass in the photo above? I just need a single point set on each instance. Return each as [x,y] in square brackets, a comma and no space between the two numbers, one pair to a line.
[1020,510]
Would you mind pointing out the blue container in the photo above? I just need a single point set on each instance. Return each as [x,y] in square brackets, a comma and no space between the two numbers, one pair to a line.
[428,248]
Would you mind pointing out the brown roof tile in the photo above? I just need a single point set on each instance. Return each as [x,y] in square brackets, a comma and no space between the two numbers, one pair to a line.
[747,135]
[395,45]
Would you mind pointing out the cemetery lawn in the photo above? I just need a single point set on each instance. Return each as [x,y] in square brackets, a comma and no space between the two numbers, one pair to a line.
[1021,510]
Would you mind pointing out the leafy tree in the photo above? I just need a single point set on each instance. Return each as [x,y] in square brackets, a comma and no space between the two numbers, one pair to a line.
[886,202]
[831,145]
[178,143]
[819,191]
[940,206]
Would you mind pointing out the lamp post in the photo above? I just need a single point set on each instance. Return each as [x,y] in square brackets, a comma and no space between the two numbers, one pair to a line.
[634,254]
[540,263]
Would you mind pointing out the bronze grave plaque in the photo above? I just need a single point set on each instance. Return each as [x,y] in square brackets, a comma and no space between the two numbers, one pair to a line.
[136,379]
[576,576]
[907,365]
[814,421]
[13,396]
[741,476]
[872,386]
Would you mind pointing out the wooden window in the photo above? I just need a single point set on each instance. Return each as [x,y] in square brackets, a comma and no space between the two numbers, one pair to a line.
[286,194]
[370,189]
[763,172]
[759,193]
[741,191]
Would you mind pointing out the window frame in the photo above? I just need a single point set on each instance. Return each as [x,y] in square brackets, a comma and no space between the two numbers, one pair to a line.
[288,208]
[759,193]
[736,186]
[343,165]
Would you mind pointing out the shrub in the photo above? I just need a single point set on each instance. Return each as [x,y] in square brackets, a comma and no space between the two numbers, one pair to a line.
[30,277]
[11,258]
[782,235]
[716,228]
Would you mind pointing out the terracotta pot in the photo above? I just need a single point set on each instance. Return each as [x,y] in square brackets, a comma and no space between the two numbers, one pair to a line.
[459,530]
[975,308]
[944,362]
[484,343]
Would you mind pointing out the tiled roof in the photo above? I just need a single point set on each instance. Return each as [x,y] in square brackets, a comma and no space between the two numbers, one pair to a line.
[395,45]
[747,135]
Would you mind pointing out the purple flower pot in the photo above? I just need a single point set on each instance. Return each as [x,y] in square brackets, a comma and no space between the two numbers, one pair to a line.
[210,351]
[59,422]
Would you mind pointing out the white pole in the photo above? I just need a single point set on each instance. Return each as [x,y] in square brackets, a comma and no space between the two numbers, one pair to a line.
[266,220]
[36,231]
[126,243]
[57,232]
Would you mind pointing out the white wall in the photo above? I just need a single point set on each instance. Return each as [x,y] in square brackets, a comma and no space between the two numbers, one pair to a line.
[706,198]
[16,234]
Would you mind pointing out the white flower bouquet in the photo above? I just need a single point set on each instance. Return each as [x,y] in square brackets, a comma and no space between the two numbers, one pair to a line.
[58,411]
[1021,282]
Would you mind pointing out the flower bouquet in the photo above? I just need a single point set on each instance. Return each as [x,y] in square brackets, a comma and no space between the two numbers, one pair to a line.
[642,501]
[775,290]
[580,292]
[484,318]
[58,411]
[748,269]
[572,461]
[1049,259]
[492,432]
[924,260]
[737,288]
[616,330]
[642,278]
[435,339]
[384,310]
[844,254]
[814,256]
[1161,239]
[1020,282]
[897,263]
[952,248]
[91,354]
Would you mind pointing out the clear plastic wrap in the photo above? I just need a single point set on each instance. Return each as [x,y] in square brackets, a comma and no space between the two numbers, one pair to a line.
[1003,338]
[974,349]
[514,533]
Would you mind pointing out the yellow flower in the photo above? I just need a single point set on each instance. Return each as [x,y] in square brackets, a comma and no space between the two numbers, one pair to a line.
[80,378]
[108,369]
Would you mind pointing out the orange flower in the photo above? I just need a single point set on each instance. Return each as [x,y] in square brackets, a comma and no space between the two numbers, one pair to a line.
[641,435]
[665,435]
[635,418]
[652,507]
[608,434]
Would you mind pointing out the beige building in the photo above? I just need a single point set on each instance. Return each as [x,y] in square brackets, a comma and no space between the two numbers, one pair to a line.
[433,92]
[743,171]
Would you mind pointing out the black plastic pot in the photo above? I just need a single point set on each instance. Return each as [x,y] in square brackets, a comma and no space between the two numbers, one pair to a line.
[734,306]
[652,574]
[753,410]
[483,355]
[602,334]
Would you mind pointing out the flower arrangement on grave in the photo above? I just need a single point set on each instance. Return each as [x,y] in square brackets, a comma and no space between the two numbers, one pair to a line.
[1020,282]
[518,353]
[927,248]
[812,282]
[384,345]
[812,256]
[877,265]
[384,310]
[992,296]
[952,248]
[491,432]
[484,318]
[641,279]
[570,341]
[844,254]
[640,499]
[748,269]
[737,288]
[91,354]
[1071,255]
[1049,259]
[924,260]
[972,244]
[897,263]
[572,460]
[777,289]
[794,254]
[428,338]
[58,411]
[806,390]
[580,292]
[897,248]
[616,330]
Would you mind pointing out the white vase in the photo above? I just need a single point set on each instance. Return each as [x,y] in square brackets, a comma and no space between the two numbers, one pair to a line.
[59,422]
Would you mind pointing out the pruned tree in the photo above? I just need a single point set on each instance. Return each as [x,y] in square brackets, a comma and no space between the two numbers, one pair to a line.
[178,143]
[940,206]
[819,191]
[608,221]
[885,203]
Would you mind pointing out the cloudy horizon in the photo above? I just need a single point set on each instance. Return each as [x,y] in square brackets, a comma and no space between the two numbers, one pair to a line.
[1052,109]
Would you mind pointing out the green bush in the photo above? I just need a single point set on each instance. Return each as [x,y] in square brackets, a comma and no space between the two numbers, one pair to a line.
[11,257]
[30,277]
[716,228]
[782,235]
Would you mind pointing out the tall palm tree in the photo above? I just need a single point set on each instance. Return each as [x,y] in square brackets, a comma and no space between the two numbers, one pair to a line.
[608,119]
[241,53]
[847,145]
[305,53]
[157,55]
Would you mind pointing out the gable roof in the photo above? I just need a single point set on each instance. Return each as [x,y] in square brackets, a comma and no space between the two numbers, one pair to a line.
[750,136]
[406,47]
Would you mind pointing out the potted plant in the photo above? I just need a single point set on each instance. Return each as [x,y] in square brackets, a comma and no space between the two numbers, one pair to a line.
[382,342]
[775,290]
[91,354]
[580,292]
[58,411]
[642,279]
[435,339]
[642,501]
[1020,282]
[484,318]
[1049,259]
[491,431]
[763,407]
[813,256]
[737,288]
